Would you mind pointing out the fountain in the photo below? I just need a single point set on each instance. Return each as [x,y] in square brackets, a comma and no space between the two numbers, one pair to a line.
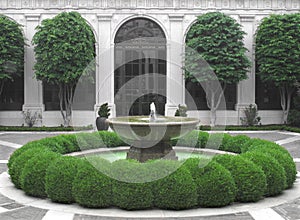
[150,137]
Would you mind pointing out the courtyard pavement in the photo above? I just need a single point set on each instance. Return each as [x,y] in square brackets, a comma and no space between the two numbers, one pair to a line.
[15,205]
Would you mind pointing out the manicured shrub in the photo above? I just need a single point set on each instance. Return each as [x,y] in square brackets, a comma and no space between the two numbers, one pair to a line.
[216,140]
[249,178]
[88,141]
[215,185]
[71,138]
[33,176]
[18,152]
[92,188]
[175,191]
[55,144]
[256,143]
[111,139]
[131,191]
[195,138]
[59,179]
[275,174]
[20,161]
[285,161]
[234,143]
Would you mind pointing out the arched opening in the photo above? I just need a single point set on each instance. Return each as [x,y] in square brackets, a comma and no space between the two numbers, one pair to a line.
[140,67]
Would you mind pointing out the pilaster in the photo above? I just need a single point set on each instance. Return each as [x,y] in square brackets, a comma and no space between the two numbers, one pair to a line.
[175,80]
[33,92]
[105,63]
[246,88]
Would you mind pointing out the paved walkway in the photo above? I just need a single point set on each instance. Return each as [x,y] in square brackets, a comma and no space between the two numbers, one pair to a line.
[14,204]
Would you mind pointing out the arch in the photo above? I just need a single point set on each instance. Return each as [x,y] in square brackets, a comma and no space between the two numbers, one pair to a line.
[140,67]
[153,19]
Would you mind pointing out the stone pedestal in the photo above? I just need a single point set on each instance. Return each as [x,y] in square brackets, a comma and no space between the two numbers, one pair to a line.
[162,150]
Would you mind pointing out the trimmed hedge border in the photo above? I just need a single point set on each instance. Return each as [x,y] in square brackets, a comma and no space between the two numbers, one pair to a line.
[262,169]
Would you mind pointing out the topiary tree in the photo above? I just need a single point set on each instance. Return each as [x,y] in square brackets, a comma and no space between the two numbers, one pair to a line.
[12,51]
[277,55]
[215,53]
[64,48]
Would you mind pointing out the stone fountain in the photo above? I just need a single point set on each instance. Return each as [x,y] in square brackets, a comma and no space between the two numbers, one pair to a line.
[150,137]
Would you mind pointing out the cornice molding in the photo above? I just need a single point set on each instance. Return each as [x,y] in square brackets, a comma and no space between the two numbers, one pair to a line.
[152,4]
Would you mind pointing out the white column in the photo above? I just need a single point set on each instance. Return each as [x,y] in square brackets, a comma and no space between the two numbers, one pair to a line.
[105,69]
[33,92]
[246,88]
[175,79]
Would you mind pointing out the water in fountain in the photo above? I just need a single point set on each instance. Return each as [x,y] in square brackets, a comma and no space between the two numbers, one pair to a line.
[152,116]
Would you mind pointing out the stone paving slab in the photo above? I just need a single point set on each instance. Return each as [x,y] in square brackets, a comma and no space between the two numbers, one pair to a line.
[4,200]
[5,152]
[26,213]
[23,138]
[3,168]
[270,136]
[293,148]
[289,210]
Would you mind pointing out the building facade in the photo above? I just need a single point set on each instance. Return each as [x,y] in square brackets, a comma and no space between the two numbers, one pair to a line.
[112,22]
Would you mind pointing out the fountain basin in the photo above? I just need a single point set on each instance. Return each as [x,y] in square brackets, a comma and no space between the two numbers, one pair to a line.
[151,139]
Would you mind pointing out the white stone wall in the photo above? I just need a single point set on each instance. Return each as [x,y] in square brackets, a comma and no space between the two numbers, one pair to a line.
[106,16]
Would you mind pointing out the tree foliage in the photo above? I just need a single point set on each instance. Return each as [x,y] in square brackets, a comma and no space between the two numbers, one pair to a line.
[11,50]
[65,49]
[215,55]
[278,54]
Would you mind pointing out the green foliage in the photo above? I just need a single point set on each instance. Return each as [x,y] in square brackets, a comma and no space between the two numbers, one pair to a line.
[218,39]
[104,111]
[196,139]
[216,140]
[181,111]
[285,160]
[65,52]
[92,188]
[249,178]
[18,152]
[275,174]
[215,185]
[131,191]
[19,162]
[294,118]
[175,191]
[277,49]
[234,143]
[12,50]
[33,176]
[251,116]
[59,179]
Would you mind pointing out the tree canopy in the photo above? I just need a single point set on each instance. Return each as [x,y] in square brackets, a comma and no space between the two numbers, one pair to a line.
[278,55]
[11,50]
[218,40]
[64,49]
[215,56]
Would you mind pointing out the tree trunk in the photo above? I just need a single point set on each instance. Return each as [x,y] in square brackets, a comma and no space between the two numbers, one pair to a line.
[1,87]
[66,94]
[285,99]
[214,94]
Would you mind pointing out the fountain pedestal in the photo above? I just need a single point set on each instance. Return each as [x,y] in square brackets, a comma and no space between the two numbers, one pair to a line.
[163,149]
[151,139]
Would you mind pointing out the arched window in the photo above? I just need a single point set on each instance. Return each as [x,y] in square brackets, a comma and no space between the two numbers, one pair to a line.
[140,67]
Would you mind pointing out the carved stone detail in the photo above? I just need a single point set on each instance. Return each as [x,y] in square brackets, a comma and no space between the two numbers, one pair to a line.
[176,4]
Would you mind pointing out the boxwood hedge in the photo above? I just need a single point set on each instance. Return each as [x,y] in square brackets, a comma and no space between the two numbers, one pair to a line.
[91,188]
[249,178]
[275,174]
[59,179]
[40,169]
[33,175]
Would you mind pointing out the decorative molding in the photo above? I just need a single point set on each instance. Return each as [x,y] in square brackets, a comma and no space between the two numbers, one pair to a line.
[32,17]
[145,4]
[247,18]
[104,17]
[176,17]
